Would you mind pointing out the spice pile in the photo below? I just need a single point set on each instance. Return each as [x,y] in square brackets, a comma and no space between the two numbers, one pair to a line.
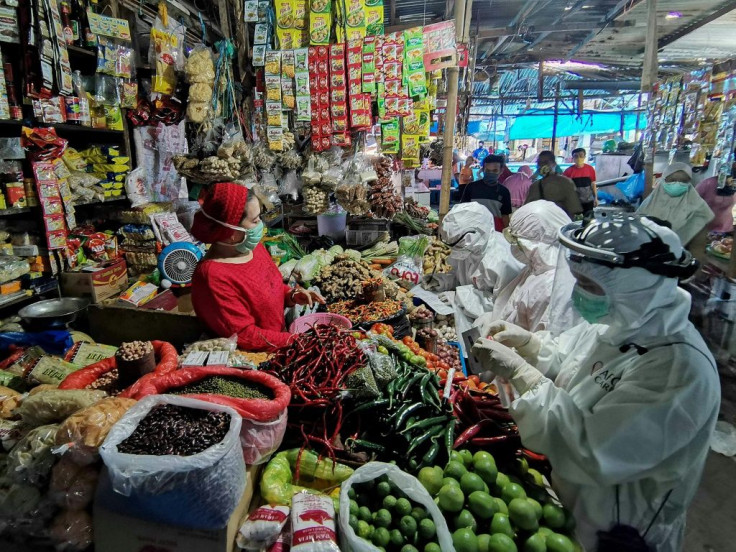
[182,431]
[359,313]
[225,385]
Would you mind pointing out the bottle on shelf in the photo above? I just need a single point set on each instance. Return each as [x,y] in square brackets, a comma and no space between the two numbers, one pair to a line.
[90,39]
[76,20]
[16,111]
[66,21]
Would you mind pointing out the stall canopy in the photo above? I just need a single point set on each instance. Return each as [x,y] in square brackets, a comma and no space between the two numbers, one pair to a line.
[539,123]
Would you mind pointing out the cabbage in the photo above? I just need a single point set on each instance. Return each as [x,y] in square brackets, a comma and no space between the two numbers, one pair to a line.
[433,216]
[353,254]
[307,269]
[287,268]
[335,250]
[324,257]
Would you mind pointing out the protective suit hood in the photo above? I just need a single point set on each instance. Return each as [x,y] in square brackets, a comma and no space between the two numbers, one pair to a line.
[536,226]
[467,229]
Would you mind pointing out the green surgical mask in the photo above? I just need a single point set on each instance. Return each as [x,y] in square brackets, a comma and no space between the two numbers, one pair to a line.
[591,307]
[675,189]
[251,240]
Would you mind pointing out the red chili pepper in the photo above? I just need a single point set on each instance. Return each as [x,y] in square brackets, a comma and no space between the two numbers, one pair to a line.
[471,432]
[486,441]
[533,455]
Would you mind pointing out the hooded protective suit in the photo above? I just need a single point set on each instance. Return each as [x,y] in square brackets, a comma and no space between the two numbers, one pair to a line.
[525,301]
[481,262]
[628,403]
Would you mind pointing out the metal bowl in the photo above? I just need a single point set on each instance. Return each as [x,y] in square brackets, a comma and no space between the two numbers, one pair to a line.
[53,312]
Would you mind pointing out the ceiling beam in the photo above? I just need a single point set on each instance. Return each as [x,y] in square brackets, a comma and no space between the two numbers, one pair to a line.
[580,84]
[613,13]
[697,23]
[497,32]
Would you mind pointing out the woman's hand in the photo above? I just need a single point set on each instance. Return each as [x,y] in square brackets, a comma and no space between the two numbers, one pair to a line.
[301,296]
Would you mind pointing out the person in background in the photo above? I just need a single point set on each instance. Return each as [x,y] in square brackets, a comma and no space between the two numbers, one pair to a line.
[518,185]
[676,201]
[237,289]
[505,171]
[583,175]
[490,193]
[480,153]
[720,201]
[548,158]
[623,405]
[552,186]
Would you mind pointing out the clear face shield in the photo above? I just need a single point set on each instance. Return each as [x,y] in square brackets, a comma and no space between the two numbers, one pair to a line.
[562,313]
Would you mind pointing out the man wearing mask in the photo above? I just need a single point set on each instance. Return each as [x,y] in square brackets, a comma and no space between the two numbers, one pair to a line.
[490,193]
[583,175]
[554,187]
[480,153]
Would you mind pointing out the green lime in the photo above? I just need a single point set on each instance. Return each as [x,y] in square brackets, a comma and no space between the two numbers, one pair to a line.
[501,481]
[456,456]
[501,543]
[397,539]
[465,540]
[482,456]
[484,542]
[482,505]
[431,479]
[559,543]
[353,521]
[535,543]
[512,491]
[471,482]
[389,502]
[450,481]
[371,530]
[501,505]
[451,498]
[455,469]
[465,520]
[432,547]
[383,489]
[418,513]
[554,516]
[486,469]
[544,531]
[536,477]
[351,493]
[523,465]
[523,514]
[467,457]
[408,526]
[381,537]
[383,518]
[354,508]
[403,507]
[501,524]
[537,507]
[427,530]
[364,530]
[409,548]
[364,514]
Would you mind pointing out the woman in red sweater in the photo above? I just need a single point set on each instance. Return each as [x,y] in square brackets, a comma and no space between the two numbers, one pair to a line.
[237,289]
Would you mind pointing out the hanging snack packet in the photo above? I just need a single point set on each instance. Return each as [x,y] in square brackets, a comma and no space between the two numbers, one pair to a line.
[390,136]
[374,17]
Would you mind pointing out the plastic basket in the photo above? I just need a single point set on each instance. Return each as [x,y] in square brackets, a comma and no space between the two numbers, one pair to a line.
[304,323]
[360,233]
[462,358]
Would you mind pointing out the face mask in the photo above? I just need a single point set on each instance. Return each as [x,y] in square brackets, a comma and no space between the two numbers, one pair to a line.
[490,178]
[518,253]
[251,240]
[591,307]
[544,170]
[675,189]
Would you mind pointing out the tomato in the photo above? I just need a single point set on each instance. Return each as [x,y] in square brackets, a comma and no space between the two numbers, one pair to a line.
[475,379]
[442,373]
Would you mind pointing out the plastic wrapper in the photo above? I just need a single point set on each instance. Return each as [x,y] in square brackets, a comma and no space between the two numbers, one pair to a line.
[73,486]
[200,491]
[9,403]
[71,531]
[55,405]
[313,523]
[31,459]
[11,431]
[407,483]
[262,527]
[200,66]
[219,344]
[81,434]
[383,367]
[137,188]
[290,185]
[19,500]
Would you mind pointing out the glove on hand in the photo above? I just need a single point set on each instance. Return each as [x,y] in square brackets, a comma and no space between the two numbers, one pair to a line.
[498,359]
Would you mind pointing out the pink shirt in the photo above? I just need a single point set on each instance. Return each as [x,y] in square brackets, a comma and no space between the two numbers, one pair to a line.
[518,185]
[721,205]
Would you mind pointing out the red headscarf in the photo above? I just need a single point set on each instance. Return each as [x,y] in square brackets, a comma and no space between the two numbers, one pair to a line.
[224,201]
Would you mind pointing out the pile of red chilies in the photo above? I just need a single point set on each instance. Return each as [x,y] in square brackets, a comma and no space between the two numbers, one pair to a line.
[315,365]
[483,421]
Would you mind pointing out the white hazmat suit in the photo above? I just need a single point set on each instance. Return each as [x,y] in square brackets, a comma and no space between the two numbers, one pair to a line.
[481,262]
[627,403]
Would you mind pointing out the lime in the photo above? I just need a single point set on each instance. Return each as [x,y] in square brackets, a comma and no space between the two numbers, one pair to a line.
[371,530]
[408,526]
[537,507]
[409,548]
[389,502]
[512,491]
[365,514]
[535,543]
[501,524]
[450,481]
[482,505]
[465,520]
[484,542]
[544,531]
[523,465]
[523,514]
[431,479]
[501,481]
[383,518]
[501,543]
[486,468]
[465,540]
[383,489]
[467,457]
[559,543]
[354,508]
[451,498]
[456,456]
[418,513]
[403,507]
[427,530]
[353,521]
[381,537]
[501,505]
[536,477]
[482,456]
[537,493]
[351,493]
[554,516]
[455,470]
[397,539]
[432,547]
[471,482]
[364,530]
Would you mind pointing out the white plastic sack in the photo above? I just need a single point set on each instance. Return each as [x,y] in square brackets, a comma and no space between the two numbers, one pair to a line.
[199,491]
[723,440]
[261,439]
[407,483]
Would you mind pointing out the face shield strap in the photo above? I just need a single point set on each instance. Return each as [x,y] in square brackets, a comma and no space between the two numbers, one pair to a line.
[461,238]
[225,224]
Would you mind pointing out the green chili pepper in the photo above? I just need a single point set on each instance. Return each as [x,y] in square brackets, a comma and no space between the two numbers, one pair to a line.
[431,433]
[404,412]
[424,423]
[365,444]
[432,452]
[414,379]
[372,404]
[450,437]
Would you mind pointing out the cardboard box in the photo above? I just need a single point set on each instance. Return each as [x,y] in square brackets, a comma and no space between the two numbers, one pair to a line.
[119,533]
[98,283]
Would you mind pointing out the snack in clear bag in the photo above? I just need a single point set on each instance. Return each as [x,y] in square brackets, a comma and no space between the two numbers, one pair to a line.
[73,486]
[200,66]
[165,53]
[55,405]
[31,459]
[72,531]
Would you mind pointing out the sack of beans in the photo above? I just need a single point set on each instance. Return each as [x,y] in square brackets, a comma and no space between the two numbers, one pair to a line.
[174,460]
[260,398]
[123,373]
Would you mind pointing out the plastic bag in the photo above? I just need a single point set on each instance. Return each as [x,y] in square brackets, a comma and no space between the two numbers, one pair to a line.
[313,523]
[262,527]
[31,459]
[73,486]
[290,185]
[723,440]
[81,434]
[407,483]
[56,405]
[137,188]
[54,342]
[199,491]
[633,187]
[72,530]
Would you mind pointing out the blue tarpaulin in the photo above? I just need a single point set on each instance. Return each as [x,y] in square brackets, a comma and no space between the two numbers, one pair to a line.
[539,123]
[482,130]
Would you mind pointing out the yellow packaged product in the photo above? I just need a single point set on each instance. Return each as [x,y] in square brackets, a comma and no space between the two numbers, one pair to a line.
[284,10]
[410,146]
[355,22]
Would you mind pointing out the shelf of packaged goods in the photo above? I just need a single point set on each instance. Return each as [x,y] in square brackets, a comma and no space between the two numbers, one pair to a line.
[15,211]
[22,210]
[65,128]
[14,298]
[111,200]
[82,52]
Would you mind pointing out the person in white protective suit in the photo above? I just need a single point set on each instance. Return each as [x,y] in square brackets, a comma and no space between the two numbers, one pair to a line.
[624,405]
[481,262]
[525,301]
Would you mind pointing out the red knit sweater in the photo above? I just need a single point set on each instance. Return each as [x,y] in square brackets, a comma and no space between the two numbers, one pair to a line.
[244,299]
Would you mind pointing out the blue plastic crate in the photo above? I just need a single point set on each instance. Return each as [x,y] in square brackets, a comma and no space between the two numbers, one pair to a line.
[462,357]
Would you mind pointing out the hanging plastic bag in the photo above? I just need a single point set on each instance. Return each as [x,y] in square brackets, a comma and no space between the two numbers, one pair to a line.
[199,491]
[633,187]
[137,188]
